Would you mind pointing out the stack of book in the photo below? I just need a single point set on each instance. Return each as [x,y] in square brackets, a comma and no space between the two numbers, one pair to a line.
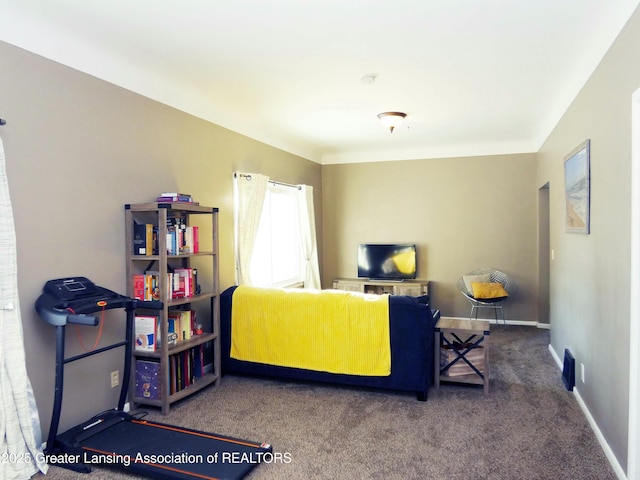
[185,367]
[146,286]
[449,354]
[181,283]
[181,326]
[145,239]
[175,197]
[182,239]
[182,323]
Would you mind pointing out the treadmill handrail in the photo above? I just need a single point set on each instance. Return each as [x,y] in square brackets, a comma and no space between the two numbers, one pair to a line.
[58,316]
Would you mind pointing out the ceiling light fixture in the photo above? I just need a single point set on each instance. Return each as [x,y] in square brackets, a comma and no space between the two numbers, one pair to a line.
[391,120]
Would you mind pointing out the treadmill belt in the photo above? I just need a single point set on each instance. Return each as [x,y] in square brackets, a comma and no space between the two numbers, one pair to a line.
[165,451]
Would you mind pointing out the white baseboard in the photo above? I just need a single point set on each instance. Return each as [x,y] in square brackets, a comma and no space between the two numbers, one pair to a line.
[556,358]
[594,426]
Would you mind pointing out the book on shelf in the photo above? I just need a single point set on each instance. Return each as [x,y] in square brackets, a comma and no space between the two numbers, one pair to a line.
[146,333]
[139,283]
[182,239]
[198,363]
[145,239]
[186,281]
[174,194]
[177,286]
[181,283]
[185,367]
[175,197]
[148,379]
[191,240]
[182,323]
[152,285]
[146,286]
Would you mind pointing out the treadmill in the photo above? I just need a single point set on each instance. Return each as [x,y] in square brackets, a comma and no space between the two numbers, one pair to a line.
[114,438]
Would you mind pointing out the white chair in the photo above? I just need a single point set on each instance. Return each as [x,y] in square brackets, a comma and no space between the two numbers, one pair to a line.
[493,288]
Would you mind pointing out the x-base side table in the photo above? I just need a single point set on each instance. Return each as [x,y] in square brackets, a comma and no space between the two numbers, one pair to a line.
[470,334]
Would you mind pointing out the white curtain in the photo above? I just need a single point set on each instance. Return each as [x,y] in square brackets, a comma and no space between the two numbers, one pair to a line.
[19,423]
[308,241]
[250,191]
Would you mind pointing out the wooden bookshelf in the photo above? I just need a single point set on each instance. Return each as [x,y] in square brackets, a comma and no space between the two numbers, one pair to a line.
[198,357]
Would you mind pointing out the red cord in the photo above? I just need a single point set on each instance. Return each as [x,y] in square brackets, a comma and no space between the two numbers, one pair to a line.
[79,334]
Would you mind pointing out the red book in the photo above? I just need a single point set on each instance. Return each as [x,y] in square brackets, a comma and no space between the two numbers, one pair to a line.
[186,274]
[178,286]
[196,240]
[138,287]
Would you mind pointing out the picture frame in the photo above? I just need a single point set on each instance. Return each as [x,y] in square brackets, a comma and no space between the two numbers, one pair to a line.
[577,188]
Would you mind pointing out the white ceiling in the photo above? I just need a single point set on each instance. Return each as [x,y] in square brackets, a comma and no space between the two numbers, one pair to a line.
[475,77]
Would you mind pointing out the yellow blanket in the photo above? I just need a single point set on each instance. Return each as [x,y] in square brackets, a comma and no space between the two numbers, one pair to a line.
[325,330]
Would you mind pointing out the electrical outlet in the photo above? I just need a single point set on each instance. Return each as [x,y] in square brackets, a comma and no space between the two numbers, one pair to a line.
[582,372]
[115,379]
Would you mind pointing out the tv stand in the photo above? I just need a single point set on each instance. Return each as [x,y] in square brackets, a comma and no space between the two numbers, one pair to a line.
[414,288]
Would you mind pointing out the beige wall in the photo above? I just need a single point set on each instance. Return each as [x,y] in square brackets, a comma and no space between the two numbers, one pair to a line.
[77,149]
[463,213]
[589,291]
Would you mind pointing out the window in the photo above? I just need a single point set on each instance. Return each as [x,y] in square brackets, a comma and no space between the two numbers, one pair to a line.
[275,236]
[276,260]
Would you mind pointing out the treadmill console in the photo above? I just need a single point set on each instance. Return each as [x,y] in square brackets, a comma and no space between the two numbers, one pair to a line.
[70,288]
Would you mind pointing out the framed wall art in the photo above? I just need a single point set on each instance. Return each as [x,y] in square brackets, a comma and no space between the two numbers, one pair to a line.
[577,188]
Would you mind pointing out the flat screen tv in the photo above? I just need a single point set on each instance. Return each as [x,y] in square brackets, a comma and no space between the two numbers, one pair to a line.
[387,261]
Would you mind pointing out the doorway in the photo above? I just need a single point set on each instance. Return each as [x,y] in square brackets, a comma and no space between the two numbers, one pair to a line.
[544,256]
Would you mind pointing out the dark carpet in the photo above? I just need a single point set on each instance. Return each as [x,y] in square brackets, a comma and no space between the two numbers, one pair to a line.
[527,427]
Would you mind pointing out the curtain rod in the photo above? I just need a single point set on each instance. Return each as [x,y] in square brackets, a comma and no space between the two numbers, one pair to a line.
[248,177]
